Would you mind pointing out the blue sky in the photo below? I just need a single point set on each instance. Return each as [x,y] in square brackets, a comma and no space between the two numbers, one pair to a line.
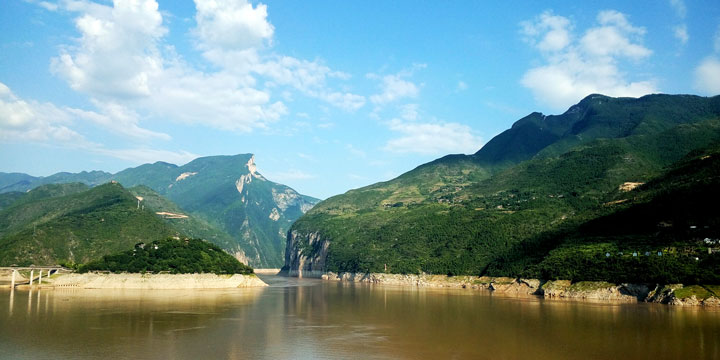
[328,95]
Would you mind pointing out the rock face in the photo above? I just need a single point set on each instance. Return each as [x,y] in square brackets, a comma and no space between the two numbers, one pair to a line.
[668,295]
[305,255]
[594,290]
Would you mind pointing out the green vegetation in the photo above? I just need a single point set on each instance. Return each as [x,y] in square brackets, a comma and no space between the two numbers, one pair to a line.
[543,200]
[237,221]
[207,191]
[701,292]
[56,223]
[176,256]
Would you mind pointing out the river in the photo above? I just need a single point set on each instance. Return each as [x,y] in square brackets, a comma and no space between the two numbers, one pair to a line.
[314,319]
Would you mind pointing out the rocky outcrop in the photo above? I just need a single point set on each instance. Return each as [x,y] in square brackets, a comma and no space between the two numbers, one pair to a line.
[594,290]
[673,295]
[305,254]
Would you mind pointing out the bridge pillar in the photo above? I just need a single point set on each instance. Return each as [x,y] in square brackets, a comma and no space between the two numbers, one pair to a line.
[40,279]
[32,274]
[12,284]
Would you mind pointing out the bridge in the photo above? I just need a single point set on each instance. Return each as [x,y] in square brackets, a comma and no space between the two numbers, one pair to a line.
[48,269]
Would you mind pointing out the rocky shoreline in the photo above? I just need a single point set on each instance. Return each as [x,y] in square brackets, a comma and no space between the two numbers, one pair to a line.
[149,281]
[557,289]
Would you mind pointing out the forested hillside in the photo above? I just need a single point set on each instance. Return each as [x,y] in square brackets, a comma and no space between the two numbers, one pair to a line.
[523,203]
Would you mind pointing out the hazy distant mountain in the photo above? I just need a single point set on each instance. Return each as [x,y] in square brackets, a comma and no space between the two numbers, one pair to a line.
[513,206]
[227,200]
[24,182]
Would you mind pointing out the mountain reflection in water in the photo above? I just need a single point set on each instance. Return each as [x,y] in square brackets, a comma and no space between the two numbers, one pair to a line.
[311,319]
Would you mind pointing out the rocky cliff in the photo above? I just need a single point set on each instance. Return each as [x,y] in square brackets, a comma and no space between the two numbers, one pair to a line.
[305,254]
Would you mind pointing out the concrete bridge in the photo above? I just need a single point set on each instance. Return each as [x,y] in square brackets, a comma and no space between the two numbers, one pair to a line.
[49,270]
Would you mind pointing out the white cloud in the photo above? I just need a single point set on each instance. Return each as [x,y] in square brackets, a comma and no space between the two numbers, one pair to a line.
[614,37]
[23,121]
[117,119]
[231,24]
[707,76]
[679,7]
[462,86]
[681,33]
[116,55]
[121,58]
[590,64]
[409,112]
[555,31]
[146,155]
[432,138]
[45,123]
[394,87]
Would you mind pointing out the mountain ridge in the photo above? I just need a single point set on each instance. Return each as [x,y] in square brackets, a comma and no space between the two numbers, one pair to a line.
[461,213]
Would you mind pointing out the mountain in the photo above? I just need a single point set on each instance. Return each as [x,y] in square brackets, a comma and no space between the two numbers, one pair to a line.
[228,193]
[510,206]
[76,223]
[226,199]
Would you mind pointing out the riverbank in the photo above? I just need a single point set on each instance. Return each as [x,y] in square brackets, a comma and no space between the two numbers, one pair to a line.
[673,294]
[149,281]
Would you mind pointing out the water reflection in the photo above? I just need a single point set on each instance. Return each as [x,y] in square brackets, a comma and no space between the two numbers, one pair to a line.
[311,319]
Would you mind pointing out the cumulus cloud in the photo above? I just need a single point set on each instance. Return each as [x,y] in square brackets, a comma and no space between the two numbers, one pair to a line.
[432,138]
[576,67]
[122,59]
[707,76]
[548,32]
[231,24]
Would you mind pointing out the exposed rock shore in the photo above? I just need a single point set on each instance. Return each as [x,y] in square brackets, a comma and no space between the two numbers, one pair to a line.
[152,281]
[558,289]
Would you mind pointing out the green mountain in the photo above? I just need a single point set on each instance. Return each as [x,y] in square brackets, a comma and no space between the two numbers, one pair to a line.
[72,222]
[226,201]
[252,214]
[510,208]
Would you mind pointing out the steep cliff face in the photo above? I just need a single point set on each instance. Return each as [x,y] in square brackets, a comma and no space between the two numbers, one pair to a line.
[305,254]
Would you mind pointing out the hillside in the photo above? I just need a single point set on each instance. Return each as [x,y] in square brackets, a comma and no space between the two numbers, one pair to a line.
[176,256]
[226,199]
[71,222]
[519,194]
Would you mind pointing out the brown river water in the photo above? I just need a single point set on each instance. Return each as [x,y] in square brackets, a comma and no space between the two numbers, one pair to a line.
[314,319]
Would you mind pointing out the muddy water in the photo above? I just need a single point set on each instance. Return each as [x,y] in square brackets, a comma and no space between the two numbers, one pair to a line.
[311,319]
